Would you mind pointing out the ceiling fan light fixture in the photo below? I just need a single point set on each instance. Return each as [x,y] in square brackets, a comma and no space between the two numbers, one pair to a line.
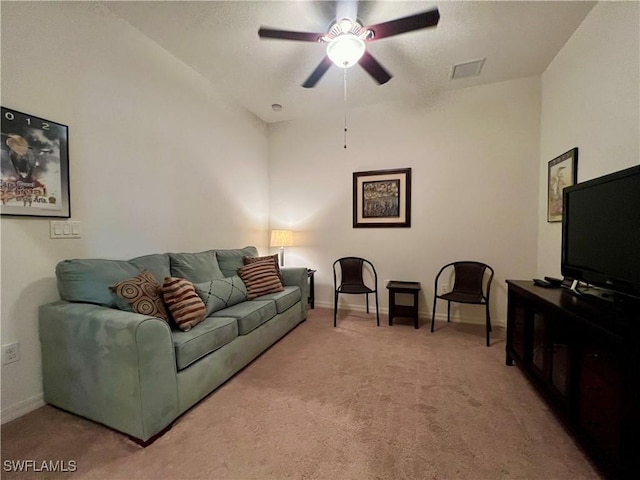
[345,50]
[345,25]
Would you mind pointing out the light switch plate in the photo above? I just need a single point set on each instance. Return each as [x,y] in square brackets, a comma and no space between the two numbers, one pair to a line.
[65,229]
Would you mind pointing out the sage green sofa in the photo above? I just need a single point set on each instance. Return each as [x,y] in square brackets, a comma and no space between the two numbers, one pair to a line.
[136,373]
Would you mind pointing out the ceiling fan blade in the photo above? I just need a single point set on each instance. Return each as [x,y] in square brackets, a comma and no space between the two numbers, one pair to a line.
[318,73]
[405,24]
[373,68]
[289,35]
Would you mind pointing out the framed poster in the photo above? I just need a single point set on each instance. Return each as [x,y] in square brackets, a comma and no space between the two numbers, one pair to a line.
[34,167]
[382,198]
[563,172]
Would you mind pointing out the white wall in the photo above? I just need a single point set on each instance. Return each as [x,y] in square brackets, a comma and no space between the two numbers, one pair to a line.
[159,161]
[590,100]
[474,158]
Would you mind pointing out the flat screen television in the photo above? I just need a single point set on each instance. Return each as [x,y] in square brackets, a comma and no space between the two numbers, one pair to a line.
[601,234]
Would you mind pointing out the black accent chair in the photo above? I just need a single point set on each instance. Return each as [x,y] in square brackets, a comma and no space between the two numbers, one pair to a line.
[469,286]
[352,281]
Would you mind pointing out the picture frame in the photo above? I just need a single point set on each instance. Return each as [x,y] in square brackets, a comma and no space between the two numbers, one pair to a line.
[34,166]
[382,199]
[562,172]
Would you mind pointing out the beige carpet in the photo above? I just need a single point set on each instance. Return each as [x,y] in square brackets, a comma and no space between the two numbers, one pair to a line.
[354,402]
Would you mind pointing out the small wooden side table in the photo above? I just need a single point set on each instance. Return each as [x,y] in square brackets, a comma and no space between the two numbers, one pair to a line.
[411,311]
[312,294]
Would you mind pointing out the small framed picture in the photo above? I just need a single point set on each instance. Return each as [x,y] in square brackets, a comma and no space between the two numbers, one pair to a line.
[34,168]
[382,198]
[563,172]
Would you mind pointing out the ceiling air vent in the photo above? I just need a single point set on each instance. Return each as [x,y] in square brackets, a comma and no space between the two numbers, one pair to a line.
[467,69]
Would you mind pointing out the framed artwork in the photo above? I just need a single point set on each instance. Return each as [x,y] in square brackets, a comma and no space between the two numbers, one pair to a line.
[563,172]
[34,167]
[382,198]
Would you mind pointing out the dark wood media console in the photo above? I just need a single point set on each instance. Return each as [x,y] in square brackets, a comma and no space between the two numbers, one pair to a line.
[583,356]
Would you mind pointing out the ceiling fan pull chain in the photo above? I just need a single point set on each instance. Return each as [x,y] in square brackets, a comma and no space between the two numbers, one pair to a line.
[345,108]
[345,129]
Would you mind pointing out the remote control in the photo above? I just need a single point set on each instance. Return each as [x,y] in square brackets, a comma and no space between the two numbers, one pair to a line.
[542,283]
[556,282]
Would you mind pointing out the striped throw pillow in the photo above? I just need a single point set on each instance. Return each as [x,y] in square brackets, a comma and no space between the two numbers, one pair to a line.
[260,278]
[186,307]
[140,294]
[271,258]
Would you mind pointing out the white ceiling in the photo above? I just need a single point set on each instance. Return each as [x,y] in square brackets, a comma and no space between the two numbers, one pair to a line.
[219,39]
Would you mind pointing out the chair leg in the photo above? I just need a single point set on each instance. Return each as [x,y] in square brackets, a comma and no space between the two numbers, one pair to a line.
[488,326]
[433,315]
[335,307]
[377,313]
[367,302]
[448,311]
[488,333]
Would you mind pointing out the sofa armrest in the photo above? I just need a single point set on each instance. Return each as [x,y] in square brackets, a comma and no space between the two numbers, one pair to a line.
[114,367]
[297,277]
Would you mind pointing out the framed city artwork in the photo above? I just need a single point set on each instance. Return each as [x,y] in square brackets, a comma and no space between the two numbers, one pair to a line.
[34,168]
[563,172]
[382,198]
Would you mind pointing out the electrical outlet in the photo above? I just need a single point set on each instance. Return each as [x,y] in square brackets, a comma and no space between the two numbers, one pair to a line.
[444,288]
[10,353]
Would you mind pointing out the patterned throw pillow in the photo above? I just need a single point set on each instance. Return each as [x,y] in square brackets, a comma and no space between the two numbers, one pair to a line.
[142,294]
[271,258]
[186,307]
[260,278]
[222,293]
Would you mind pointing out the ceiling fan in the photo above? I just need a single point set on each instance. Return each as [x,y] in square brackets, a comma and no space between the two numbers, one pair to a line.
[346,42]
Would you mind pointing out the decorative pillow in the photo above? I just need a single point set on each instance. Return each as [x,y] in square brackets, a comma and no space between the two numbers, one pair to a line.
[183,302]
[223,293]
[141,294]
[260,278]
[271,258]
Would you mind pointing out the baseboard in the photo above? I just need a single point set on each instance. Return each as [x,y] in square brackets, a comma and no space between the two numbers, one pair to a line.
[355,308]
[442,317]
[16,411]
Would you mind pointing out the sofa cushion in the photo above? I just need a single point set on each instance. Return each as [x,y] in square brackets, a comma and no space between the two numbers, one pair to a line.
[88,280]
[231,260]
[158,264]
[260,278]
[141,294]
[271,258]
[206,337]
[250,315]
[195,267]
[283,300]
[186,307]
[222,293]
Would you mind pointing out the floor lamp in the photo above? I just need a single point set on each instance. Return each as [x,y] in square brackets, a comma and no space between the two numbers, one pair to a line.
[281,238]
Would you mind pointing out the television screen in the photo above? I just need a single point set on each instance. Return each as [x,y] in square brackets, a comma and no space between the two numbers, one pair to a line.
[601,232]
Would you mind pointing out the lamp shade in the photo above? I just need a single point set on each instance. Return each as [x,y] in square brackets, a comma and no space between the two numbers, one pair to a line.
[281,238]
